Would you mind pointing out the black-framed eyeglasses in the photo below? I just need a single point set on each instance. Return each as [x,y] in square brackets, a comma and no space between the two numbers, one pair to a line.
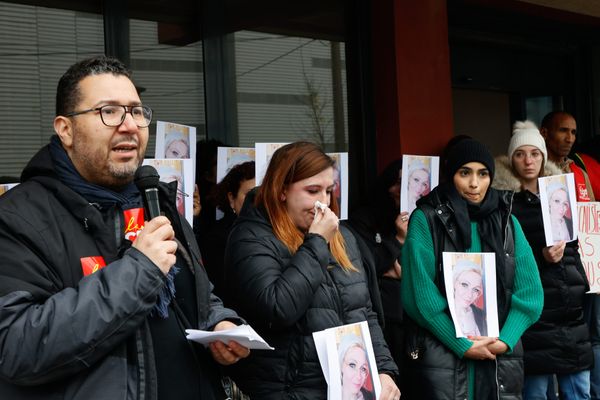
[114,115]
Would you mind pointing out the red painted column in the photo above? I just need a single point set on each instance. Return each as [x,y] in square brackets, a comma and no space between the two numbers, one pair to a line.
[411,72]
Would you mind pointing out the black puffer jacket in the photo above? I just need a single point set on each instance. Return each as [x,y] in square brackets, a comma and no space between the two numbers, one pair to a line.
[65,336]
[288,297]
[559,342]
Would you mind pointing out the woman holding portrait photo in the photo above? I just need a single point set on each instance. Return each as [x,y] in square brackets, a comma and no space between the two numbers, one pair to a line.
[464,214]
[293,270]
[558,344]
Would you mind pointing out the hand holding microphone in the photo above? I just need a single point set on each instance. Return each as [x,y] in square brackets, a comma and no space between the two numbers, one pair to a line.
[156,239]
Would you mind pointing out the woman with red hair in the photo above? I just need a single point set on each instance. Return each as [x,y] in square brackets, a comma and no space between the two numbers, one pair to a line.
[291,271]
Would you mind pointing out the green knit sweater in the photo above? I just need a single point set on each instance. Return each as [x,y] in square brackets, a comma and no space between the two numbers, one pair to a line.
[427,306]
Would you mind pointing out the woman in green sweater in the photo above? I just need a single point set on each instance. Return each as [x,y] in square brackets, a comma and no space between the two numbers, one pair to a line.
[466,215]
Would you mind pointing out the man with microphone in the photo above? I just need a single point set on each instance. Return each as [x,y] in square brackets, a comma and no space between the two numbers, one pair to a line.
[94,302]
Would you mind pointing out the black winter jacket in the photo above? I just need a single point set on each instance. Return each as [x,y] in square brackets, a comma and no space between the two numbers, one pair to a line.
[65,336]
[288,297]
[559,342]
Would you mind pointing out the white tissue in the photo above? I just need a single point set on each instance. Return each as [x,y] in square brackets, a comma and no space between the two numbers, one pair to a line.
[320,205]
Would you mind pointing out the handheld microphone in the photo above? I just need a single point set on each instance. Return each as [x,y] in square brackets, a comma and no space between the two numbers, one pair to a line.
[146,179]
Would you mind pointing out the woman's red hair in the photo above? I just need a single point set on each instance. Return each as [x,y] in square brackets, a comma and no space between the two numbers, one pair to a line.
[292,163]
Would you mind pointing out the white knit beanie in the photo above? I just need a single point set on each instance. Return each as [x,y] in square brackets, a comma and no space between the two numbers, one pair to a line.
[525,133]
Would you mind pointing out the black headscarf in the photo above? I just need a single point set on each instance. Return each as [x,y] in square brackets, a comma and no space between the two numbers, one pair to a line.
[464,152]
[465,212]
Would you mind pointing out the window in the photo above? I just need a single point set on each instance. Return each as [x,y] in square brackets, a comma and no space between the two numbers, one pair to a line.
[285,90]
[170,76]
[38,44]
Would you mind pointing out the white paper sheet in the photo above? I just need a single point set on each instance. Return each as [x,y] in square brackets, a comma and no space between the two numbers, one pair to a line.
[420,174]
[329,345]
[243,334]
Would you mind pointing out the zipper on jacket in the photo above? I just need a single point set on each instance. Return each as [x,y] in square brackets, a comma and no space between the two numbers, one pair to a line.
[510,204]
[497,382]
[118,228]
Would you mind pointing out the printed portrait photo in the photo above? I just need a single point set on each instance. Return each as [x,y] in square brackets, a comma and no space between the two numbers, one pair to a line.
[348,362]
[6,187]
[264,152]
[354,364]
[340,179]
[355,373]
[420,174]
[471,293]
[559,208]
[181,171]
[175,140]
[229,157]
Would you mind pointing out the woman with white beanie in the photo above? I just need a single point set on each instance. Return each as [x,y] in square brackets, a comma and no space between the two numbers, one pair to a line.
[559,342]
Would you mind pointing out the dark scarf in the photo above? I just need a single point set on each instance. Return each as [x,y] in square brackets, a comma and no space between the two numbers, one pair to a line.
[465,212]
[488,220]
[105,199]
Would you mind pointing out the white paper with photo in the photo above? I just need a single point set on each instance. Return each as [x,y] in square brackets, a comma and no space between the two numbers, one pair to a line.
[349,345]
[176,141]
[264,152]
[320,339]
[420,174]
[470,283]
[341,178]
[559,208]
[229,157]
[5,187]
[182,171]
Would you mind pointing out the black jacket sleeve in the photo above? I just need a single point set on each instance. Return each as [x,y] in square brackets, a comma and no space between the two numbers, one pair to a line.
[46,338]
[265,287]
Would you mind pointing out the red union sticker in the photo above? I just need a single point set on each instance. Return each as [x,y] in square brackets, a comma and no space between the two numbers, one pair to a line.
[582,194]
[134,223]
[89,265]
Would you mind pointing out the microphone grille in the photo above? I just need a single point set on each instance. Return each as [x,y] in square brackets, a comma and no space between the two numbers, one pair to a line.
[146,177]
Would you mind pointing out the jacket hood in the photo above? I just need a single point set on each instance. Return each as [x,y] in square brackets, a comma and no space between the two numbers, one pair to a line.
[506,179]
[40,164]
[250,212]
